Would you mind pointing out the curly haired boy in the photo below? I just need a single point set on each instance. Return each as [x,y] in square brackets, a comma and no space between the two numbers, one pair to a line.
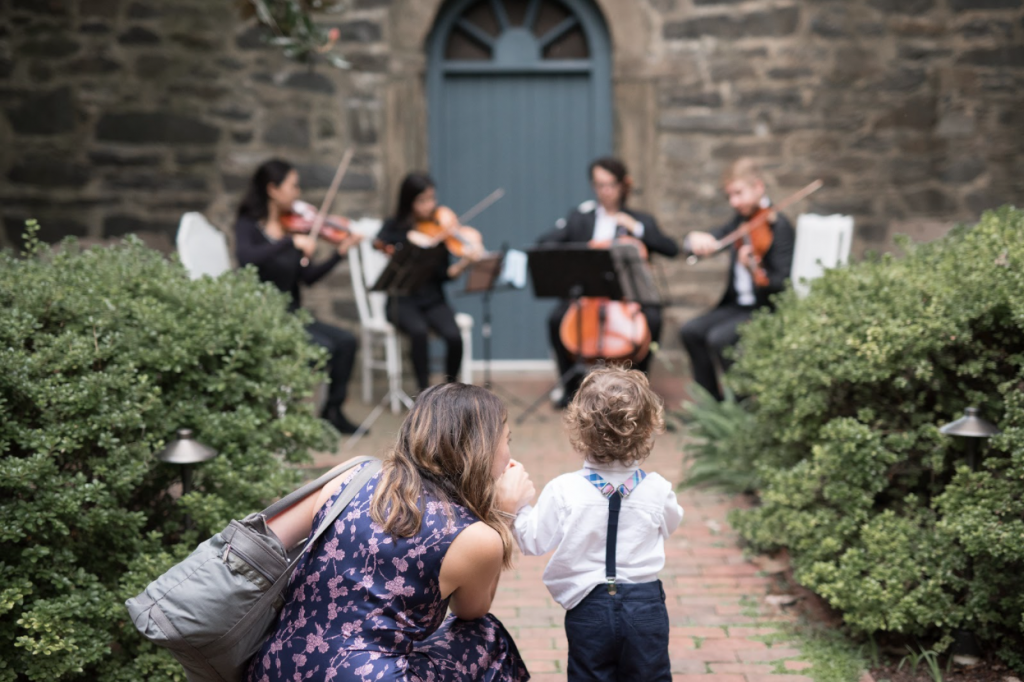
[607,524]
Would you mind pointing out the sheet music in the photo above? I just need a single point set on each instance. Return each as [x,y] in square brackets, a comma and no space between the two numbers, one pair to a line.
[513,272]
[634,274]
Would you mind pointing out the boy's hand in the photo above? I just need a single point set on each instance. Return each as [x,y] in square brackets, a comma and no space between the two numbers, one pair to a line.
[514,489]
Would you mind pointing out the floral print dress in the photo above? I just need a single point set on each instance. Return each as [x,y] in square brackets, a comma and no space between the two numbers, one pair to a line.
[364,606]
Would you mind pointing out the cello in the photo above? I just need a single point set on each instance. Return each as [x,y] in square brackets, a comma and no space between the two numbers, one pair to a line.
[597,328]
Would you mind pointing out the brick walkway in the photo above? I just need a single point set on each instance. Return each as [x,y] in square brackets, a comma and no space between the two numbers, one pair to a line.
[715,597]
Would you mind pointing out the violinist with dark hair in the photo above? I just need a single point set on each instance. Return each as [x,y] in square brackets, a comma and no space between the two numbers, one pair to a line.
[420,220]
[263,238]
[754,276]
[602,221]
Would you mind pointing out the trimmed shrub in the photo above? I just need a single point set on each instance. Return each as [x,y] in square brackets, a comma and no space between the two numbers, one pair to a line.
[104,353]
[880,513]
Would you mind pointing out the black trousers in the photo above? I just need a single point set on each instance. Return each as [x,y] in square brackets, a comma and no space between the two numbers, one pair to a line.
[621,637]
[342,346]
[417,319]
[706,338]
[565,359]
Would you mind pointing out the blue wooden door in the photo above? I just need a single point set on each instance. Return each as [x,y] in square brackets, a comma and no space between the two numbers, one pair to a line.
[519,99]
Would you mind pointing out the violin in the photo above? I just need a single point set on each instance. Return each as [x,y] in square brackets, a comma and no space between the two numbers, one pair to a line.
[444,226]
[302,216]
[757,232]
[596,328]
[320,219]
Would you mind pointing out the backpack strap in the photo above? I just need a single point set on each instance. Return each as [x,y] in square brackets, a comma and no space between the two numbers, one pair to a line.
[615,496]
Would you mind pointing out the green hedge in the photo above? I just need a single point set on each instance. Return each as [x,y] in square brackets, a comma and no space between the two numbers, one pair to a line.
[880,513]
[104,353]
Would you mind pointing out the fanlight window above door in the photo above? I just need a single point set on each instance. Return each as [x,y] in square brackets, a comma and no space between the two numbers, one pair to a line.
[516,32]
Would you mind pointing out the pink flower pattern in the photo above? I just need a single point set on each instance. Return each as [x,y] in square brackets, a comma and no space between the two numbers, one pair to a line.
[365,606]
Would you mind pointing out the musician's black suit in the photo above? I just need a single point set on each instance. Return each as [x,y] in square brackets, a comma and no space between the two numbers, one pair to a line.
[578,227]
[706,337]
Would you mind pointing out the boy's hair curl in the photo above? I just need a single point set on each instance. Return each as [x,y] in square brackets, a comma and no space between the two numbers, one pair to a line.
[615,416]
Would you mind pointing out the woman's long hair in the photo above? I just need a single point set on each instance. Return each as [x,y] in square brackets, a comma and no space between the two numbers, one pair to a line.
[413,185]
[254,203]
[616,168]
[445,447]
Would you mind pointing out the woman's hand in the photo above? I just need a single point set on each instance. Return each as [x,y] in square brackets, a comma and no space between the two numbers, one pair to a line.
[304,243]
[348,242]
[745,255]
[513,490]
[702,243]
[627,222]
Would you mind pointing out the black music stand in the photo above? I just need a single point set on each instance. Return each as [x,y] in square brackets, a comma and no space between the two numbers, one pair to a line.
[409,268]
[482,277]
[570,271]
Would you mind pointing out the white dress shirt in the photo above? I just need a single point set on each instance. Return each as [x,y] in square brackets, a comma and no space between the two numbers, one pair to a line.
[571,517]
[605,226]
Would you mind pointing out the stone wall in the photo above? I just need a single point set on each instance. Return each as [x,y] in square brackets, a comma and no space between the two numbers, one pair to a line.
[118,115]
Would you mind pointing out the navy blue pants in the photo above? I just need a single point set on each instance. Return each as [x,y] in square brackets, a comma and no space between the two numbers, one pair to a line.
[621,637]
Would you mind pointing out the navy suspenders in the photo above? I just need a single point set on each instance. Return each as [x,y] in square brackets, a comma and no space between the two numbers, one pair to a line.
[614,495]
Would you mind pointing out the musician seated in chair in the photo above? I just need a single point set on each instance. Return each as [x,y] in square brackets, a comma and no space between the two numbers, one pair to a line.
[603,220]
[263,239]
[754,277]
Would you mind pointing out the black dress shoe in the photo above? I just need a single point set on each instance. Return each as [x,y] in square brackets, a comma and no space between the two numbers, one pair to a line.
[341,422]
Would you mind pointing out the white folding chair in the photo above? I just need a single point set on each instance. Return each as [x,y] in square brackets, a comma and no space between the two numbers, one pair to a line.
[203,248]
[822,242]
[379,337]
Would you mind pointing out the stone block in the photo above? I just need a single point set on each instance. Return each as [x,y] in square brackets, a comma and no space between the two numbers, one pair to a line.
[370,63]
[733,150]
[311,81]
[360,31]
[923,52]
[53,47]
[773,23]
[790,72]
[288,132]
[143,10]
[137,35]
[99,8]
[45,113]
[931,202]
[912,7]
[363,125]
[905,171]
[985,28]
[57,8]
[194,158]
[242,136]
[150,66]
[155,128]
[785,98]
[6,67]
[104,157]
[156,181]
[914,112]
[52,227]
[48,172]
[233,112]
[963,170]
[686,97]
[372,4]
[832,21]
[1006,57]
[968,5]
[94,28]
[956,124]
[253,38]
[899,80]
[40,72]
[727,123]
[92,65]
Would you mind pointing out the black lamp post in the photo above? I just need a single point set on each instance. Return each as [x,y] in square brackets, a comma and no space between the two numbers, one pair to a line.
[965,647]
[186,452]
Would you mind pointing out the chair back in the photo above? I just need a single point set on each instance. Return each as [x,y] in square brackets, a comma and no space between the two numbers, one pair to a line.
[203,248]
[822,242]
[366,264]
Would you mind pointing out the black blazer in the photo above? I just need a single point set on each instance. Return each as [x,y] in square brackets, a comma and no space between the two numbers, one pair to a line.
[777,262]
[579,227]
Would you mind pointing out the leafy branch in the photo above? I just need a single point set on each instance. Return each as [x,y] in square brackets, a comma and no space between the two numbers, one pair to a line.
[294,29]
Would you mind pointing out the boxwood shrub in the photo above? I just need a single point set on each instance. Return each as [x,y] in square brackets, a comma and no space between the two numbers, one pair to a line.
[104,353]
[880,512]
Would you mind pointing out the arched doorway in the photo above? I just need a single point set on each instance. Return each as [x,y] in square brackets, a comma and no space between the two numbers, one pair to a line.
[519,97]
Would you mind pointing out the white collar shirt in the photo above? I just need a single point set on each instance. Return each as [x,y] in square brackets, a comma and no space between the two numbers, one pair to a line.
[571,518]
[606,227]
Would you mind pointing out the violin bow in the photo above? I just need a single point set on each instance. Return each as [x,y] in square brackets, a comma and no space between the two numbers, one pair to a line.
[482,205]
[788,201]
[321,215]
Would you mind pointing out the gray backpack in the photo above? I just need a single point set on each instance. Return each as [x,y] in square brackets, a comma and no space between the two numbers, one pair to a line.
[214,609]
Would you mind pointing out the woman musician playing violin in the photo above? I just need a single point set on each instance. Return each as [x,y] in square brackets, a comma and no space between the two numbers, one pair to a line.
[421,221]
[268,235]
[603,221]
[760,263]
